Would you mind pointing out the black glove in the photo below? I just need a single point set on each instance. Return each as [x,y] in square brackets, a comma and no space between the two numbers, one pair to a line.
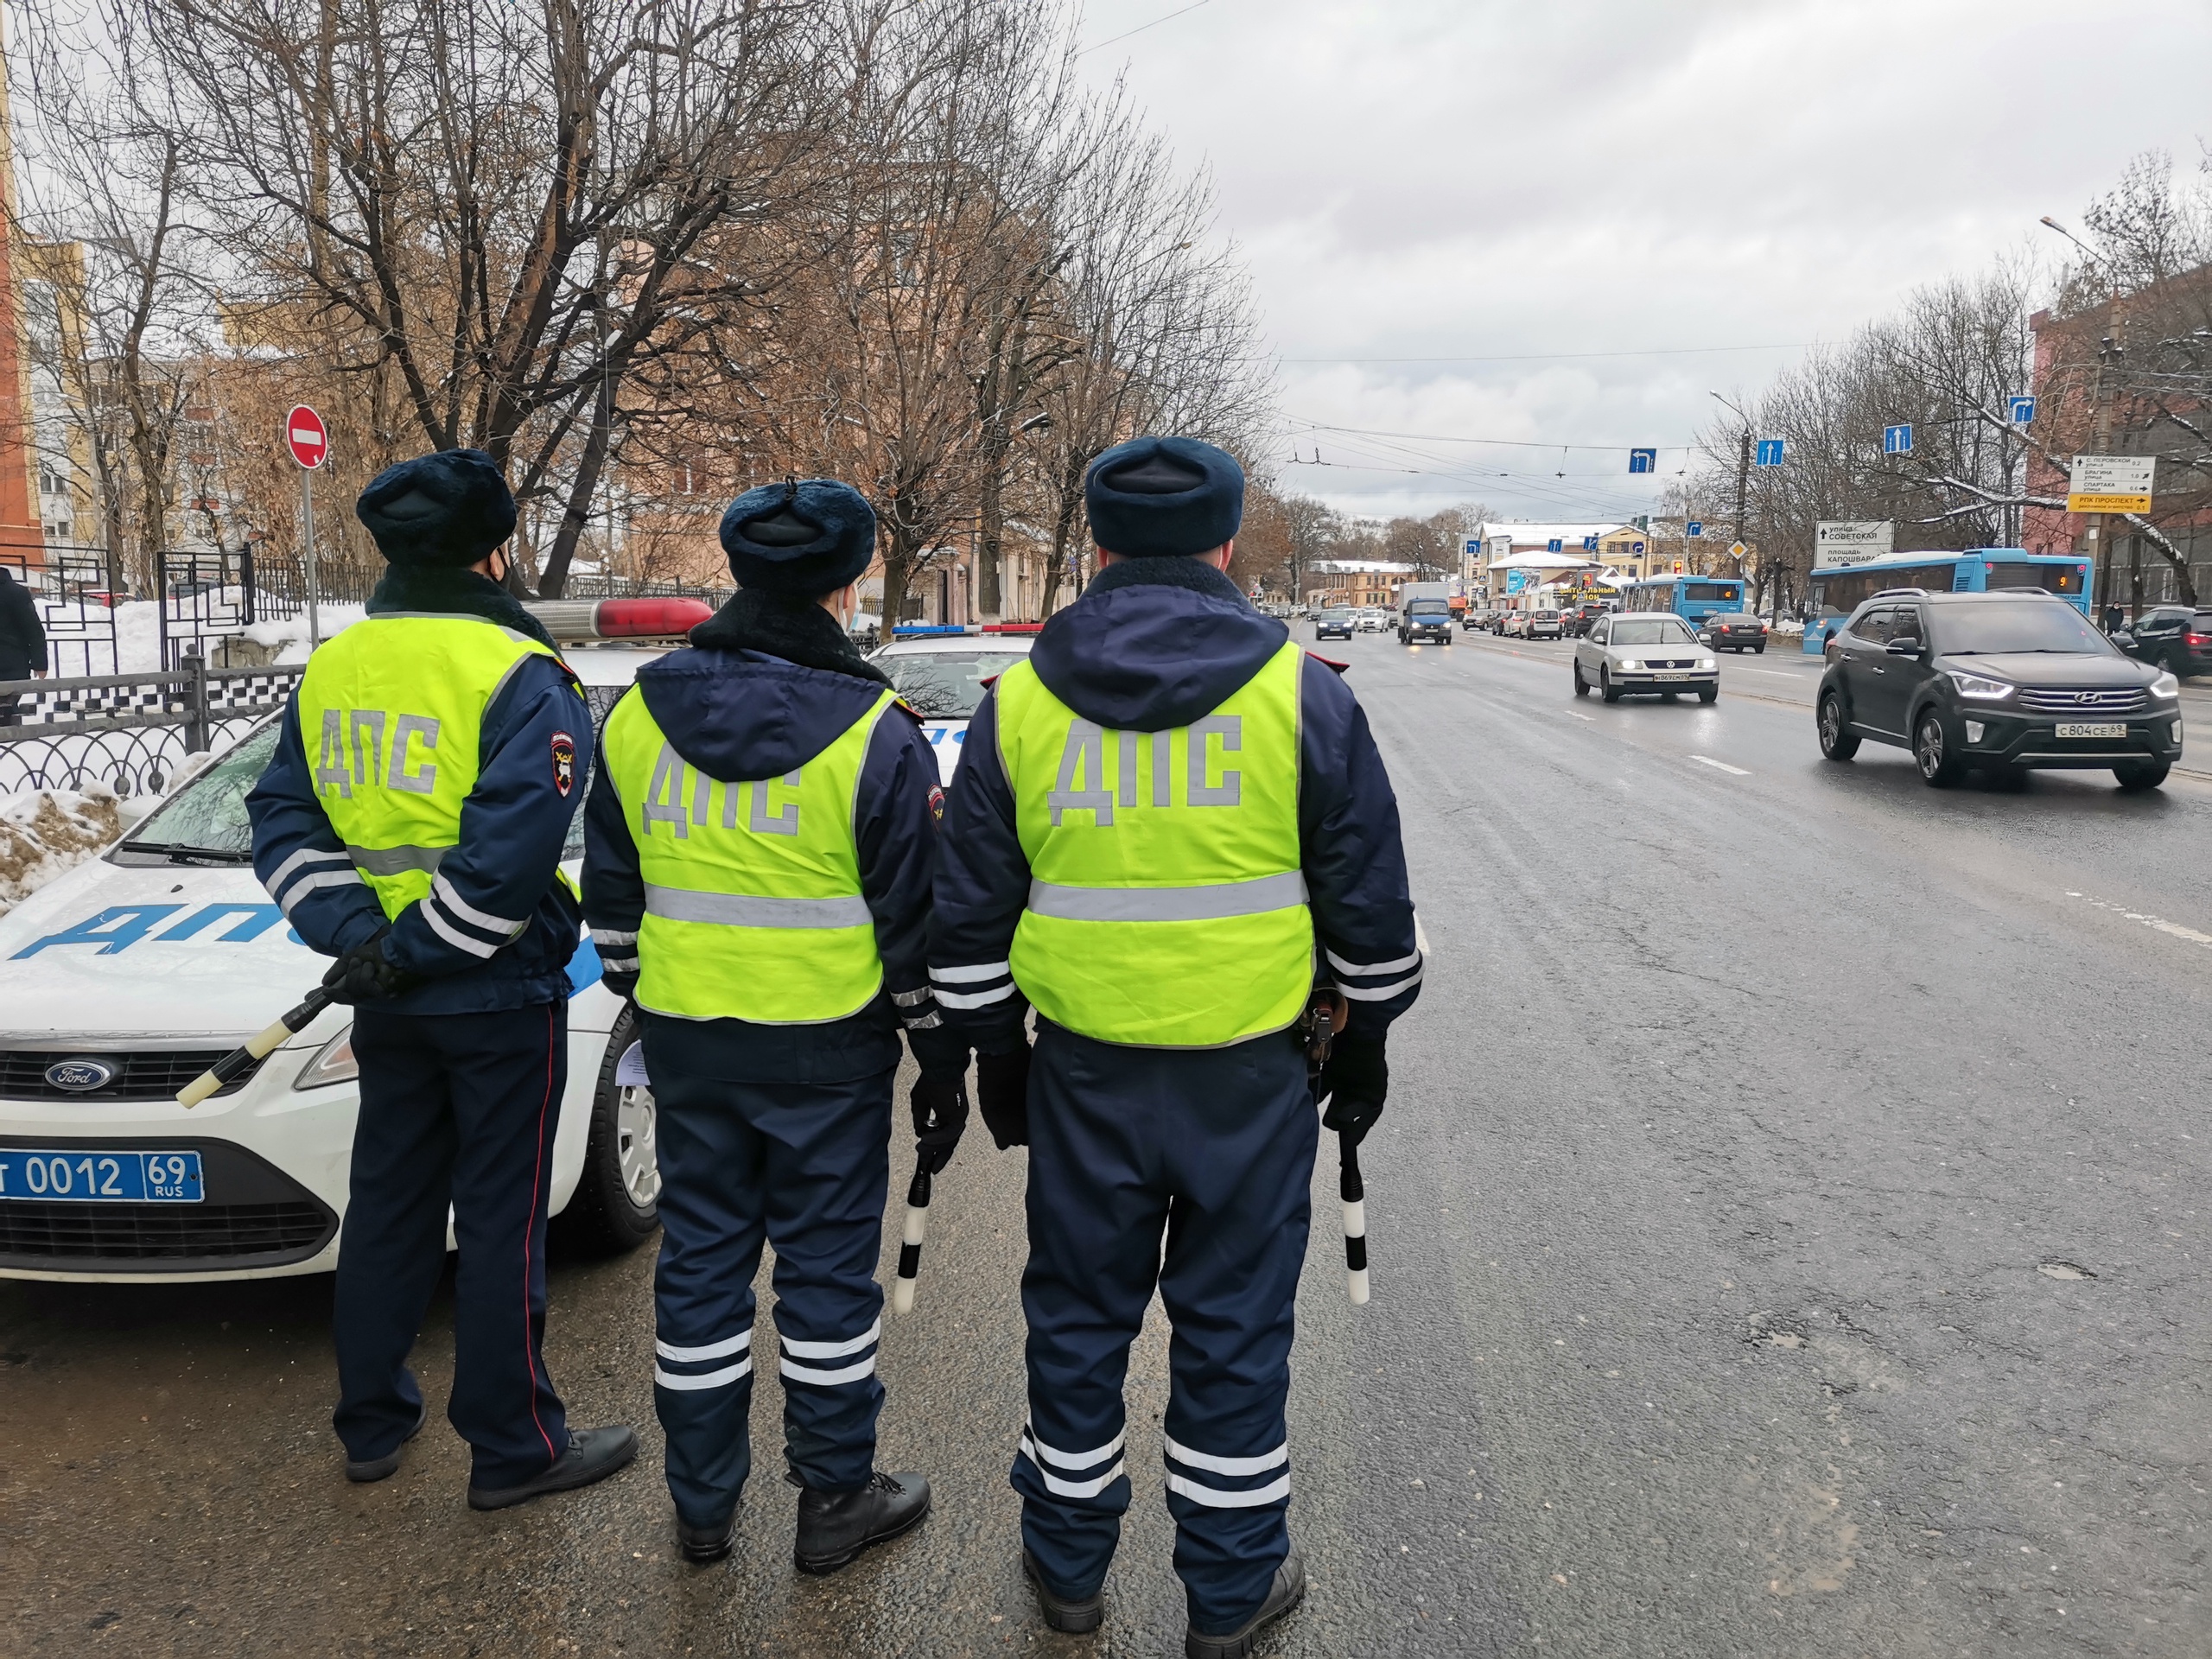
[365,974]
[937,1049]
[1355,1081]
[1003,1092]
[940,1107]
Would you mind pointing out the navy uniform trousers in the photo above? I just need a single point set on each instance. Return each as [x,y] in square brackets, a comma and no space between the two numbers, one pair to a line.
[804,1167]
[459,1109]
[1213,1147]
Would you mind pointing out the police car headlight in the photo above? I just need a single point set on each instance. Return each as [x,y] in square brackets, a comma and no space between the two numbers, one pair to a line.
[332,1063]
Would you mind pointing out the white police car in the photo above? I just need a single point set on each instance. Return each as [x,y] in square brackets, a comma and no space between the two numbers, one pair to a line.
[943,673]
[125,978]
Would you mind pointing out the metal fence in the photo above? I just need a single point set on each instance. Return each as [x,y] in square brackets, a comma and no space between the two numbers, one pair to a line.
[129,731]
[71,584]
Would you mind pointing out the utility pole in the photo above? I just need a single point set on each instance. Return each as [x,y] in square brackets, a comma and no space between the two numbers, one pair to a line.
[2110,350]
[1743,491]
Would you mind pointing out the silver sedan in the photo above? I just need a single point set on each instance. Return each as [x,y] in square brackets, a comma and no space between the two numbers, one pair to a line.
[1644,654]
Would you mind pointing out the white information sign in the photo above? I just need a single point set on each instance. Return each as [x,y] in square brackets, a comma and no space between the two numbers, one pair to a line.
[2111,484]
[1851,541]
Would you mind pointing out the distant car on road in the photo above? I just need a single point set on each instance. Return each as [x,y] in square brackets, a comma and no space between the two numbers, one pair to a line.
[2002,682]
[1472,621]
[1736,631]
[1578,621]
[1370,621]
[1644,654]
[1424,616]
[1333,624]
[2176,637]
[1543,624]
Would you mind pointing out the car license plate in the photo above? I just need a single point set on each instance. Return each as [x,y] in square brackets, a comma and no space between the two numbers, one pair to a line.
[2092,731]
[119,1177]
[1670,674]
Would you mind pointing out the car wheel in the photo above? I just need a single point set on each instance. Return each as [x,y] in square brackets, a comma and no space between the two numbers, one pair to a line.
[1838,741]
[1708,693]
[1759,650]
[617,1202]
[1606,689]
[1581,685]
[1932,749]
[2141,775]
[2178,664]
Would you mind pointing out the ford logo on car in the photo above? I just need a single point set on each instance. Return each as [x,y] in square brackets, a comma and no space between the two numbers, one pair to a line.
[80,1076]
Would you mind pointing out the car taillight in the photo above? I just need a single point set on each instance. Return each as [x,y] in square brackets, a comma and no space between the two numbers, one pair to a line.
[2198,641]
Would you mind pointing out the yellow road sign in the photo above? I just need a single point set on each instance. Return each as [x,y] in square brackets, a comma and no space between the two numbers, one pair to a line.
[2111,484]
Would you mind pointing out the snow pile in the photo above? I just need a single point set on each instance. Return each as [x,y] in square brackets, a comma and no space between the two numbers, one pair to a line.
[290,633]
[44,832]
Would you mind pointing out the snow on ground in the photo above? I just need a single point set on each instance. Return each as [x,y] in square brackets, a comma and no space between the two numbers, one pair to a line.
[44,832]
[291,632]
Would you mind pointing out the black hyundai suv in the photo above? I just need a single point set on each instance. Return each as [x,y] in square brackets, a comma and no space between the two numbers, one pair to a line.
[2003,681]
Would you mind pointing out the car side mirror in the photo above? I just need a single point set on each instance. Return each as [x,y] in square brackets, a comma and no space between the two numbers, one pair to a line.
[1905,647]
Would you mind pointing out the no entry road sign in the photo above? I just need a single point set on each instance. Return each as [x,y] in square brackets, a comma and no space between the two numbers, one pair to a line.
[307,437]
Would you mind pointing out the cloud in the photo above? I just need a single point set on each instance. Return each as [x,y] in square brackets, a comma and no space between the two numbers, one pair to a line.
[1427,178]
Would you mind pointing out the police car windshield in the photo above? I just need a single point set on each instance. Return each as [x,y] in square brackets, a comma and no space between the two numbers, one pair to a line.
[945,684]
[207,817]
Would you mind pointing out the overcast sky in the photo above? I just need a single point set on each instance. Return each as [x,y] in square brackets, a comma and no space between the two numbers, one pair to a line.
[1430,178]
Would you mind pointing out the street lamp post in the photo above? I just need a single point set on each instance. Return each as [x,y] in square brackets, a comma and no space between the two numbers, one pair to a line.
[2100,395]
[1743,480]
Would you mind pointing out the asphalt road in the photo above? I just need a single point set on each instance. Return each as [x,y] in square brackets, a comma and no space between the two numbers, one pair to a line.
[1784,1232]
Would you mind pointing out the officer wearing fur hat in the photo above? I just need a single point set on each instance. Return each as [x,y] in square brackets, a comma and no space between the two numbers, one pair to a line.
[762,829]
[1157,818]
[410,824]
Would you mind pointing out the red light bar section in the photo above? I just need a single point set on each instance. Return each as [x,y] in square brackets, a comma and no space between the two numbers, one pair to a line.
[649,619]
[1012,627]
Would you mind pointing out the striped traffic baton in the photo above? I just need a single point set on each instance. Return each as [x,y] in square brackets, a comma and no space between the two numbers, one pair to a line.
[910,1244]
[1354,1191]
[239,1061]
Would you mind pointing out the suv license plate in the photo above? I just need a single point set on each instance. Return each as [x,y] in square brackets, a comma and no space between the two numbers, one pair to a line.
[2092,731]
[119,1177]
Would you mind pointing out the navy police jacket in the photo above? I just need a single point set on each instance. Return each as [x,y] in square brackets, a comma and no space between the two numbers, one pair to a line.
[1154,643]
[513,828]
[736,711]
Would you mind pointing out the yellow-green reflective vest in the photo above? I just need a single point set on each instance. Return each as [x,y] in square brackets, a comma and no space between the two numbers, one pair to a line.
[753,908]
[392,709]
[1166,902]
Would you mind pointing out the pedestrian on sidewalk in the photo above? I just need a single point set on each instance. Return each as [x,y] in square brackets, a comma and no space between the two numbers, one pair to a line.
[419,841]
[22,640]
[762,833]
[1154,817]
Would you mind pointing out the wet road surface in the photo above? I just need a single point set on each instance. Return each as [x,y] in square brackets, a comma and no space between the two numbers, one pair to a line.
[1787,1234]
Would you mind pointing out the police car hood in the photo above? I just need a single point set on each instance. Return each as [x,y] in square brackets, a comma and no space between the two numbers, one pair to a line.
[737,715]
[1154,643]
[166,949]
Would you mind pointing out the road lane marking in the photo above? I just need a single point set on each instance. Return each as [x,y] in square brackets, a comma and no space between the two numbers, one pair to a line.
[1778,673]
[2159,922]
[1571,715]
[1722,765]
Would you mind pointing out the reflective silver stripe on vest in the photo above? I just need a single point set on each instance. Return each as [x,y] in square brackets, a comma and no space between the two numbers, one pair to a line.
[1201,904]
[748,910]
[397,861]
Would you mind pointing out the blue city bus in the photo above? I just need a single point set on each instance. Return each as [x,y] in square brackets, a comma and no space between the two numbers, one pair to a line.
[1692,597]
[1835,591]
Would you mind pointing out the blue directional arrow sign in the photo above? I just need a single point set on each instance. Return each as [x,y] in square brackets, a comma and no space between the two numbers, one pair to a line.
[1696,527]
[2023,411]
[1897,439]
[1644,461]
[1589,544]
[1769,453]
[1553,546]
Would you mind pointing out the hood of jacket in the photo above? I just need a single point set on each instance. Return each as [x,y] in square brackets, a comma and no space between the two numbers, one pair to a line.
[1155,643]
[768,685]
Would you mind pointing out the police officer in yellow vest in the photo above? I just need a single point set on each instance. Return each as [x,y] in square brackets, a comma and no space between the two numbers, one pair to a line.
[411,824]
[1163,821]
[761,832]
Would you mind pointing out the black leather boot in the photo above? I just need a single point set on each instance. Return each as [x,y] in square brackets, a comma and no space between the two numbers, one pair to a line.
[703,1546]
[1070,1618]
[1284,1593]
[592,1454]
[833,1527]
